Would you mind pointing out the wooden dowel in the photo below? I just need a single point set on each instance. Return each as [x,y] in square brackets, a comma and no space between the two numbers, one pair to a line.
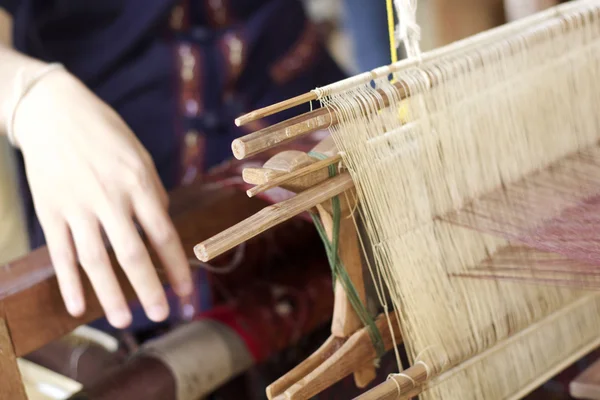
[278,181]
[320,119]
[305,367]
[400,387]
[271,216]
[291,129]
[275,108]
[282,133]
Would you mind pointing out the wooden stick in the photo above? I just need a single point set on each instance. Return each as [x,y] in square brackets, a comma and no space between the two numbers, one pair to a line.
[275,108]
[296,127]
[331,345]
[282,133]
[345,319]
[402,386]
[355,353]
[11,385]
[282,179]
[271,216]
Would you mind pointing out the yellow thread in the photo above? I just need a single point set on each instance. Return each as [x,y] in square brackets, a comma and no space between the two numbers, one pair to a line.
[390,15]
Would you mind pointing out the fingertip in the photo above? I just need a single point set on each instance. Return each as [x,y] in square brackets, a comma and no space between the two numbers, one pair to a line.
[158,312]
[120,319]
[75,307]
[184,288]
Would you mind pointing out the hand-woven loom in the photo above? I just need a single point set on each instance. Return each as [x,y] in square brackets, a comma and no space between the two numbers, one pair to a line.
[471,177]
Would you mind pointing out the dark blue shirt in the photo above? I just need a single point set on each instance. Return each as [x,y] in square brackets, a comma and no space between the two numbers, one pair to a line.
[178,72]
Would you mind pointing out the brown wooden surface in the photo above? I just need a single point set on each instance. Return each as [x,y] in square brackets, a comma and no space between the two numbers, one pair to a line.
[275,108]
[271,216]
[82,362]
[281,133]
[288,179]
[400,389]
[29,294]
[357,350]
[158,382]
[11,386]
[587,384]
[345,320]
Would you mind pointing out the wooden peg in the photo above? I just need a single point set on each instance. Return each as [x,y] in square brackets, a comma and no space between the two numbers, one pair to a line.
[281,133]
[275,108]
[271,216]
[287,168]
[288,179]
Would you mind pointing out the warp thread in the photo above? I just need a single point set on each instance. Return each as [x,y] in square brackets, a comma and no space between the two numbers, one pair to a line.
[481,115]
[409,31]
[338,270]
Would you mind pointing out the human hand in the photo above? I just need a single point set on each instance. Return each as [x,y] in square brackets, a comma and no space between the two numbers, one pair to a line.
[87,171]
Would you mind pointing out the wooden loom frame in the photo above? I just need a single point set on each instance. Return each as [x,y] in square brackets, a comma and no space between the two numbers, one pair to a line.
[315,191]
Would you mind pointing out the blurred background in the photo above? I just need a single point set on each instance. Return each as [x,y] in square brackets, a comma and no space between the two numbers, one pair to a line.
[279,286]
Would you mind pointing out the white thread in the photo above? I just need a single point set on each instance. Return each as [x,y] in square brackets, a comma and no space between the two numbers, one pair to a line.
[398,387]
[427,370]
[21,90]
[403,375]
[409,31]
[343,85]
[414,383]
[459,46]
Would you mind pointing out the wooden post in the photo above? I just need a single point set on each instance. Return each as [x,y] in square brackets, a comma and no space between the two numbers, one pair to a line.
[345,320]
[11,384]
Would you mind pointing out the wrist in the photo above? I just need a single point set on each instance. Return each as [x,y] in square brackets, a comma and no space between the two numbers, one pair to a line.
[25,81]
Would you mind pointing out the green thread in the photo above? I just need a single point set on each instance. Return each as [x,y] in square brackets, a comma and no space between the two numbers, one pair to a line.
[338,270]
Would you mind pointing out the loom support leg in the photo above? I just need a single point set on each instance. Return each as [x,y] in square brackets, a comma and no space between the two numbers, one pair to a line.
[345,320]
[357,350]
[11,384]
[349,349]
